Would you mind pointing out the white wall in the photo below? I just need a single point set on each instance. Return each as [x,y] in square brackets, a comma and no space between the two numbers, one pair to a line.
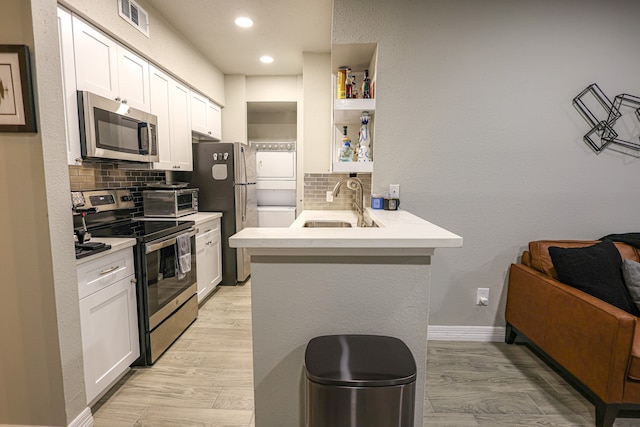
[272,89]
[316,73]
[41,376]
[234,115]
[474,121]
[165,46]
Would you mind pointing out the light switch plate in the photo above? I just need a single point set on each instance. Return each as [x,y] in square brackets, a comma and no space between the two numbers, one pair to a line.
[394,191]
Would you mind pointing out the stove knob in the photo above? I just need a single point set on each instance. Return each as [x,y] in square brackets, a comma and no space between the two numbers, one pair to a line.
[215,156]
[289,147]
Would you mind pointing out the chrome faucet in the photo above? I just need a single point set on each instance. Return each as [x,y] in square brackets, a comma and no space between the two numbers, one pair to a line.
[353,184]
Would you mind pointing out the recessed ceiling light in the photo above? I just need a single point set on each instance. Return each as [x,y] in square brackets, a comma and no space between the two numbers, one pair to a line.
[266,59]
[244,22]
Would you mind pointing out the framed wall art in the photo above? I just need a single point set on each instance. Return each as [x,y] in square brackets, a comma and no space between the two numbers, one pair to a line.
[17,108]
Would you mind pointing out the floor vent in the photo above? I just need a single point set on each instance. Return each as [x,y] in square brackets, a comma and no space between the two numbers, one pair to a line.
[131,12]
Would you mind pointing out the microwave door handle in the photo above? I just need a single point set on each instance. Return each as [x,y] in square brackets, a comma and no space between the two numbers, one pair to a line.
[144,136]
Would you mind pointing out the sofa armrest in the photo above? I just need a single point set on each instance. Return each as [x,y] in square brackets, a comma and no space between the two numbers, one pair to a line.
[588,337]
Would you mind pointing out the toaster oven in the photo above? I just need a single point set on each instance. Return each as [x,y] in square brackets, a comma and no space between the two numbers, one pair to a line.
[170,203]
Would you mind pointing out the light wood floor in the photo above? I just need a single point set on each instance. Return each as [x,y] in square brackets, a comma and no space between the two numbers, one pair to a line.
[205,379]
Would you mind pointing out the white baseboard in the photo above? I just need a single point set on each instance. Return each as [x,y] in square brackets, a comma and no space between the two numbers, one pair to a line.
[85,419]
[465,333]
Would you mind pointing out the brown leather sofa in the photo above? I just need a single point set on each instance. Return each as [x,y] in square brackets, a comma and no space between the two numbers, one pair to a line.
[595,345]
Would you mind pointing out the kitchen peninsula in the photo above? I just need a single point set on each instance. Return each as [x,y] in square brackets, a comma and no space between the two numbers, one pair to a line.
[313,281]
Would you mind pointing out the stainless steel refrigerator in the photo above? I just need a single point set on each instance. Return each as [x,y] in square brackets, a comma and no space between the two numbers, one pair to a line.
[225,174]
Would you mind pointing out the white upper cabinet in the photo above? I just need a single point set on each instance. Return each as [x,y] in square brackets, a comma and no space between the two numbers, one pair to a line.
[181,127]
[108,69]
[170,102]
[133,79]
[206,118]
[214,120]
[160,85]
[65,35]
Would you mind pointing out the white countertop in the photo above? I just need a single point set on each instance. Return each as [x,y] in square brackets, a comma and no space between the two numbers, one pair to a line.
[397,230]
[116,243]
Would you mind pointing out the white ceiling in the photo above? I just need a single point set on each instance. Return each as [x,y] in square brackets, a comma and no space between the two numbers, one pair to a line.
[282,29]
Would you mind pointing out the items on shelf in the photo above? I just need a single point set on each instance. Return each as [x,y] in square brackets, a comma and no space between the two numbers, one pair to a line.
[603,115]
[346,152]
[348,88]
[366,86]
[364,152]
[349,79]
[342,80]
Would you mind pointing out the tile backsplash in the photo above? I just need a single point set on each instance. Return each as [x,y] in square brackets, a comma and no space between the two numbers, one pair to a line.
[100,175]
[316,186]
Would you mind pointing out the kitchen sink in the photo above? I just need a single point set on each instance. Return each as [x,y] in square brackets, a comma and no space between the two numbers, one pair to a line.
[326,224]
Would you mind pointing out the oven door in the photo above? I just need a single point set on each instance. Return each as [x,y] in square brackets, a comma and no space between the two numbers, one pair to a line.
[166,288]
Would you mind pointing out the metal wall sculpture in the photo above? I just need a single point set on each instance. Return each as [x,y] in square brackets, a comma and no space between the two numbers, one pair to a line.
[614,125]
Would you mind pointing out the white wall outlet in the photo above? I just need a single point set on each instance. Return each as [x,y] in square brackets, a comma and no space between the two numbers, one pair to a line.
[329,196]
[394,191]
[482,297]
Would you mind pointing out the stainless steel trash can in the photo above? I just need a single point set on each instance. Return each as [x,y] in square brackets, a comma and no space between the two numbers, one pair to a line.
[359,381]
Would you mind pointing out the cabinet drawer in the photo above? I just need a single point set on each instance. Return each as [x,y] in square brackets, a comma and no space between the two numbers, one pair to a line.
[205,227]
[96,275]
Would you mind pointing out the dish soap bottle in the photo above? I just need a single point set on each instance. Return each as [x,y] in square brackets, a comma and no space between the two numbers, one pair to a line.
[346,152]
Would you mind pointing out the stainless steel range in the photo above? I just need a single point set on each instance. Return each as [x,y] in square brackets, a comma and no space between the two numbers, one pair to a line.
[165,261]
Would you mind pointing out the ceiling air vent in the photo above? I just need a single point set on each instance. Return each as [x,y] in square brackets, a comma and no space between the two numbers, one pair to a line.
[134,15]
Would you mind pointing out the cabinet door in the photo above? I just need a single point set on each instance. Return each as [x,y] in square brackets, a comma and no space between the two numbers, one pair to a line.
[199,111]
[181,127]
[201,263]
[160,90]
[214,121]
[216,257]
[109,324]
[70,102]
[133,79]
[96,60]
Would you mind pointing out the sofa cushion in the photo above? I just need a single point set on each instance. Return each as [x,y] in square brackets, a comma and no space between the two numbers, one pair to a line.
[541,261]
[631,275]
[596,270]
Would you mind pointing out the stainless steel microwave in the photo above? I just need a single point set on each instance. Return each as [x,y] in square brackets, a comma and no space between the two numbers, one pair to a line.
[170,203]
[112,130]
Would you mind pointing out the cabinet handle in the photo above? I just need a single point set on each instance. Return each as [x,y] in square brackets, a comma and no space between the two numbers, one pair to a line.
[134,281]
[109,270]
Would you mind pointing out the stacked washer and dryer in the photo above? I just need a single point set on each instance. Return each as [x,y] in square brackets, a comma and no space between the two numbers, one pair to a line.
[276,183]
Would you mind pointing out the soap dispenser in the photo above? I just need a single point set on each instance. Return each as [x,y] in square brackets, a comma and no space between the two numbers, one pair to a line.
[346,152]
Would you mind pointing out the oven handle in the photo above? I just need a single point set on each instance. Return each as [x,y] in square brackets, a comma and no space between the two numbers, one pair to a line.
[152,247]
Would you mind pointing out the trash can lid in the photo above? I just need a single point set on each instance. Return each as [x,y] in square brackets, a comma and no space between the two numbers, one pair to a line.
[359,361]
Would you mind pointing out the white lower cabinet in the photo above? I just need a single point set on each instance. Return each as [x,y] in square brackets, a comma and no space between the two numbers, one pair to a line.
[208,257]
[108,320]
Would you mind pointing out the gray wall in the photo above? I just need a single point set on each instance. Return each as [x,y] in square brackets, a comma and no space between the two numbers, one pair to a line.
[41,379]
[474,121]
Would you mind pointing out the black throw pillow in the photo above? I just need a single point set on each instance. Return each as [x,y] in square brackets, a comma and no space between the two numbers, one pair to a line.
[596,270]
